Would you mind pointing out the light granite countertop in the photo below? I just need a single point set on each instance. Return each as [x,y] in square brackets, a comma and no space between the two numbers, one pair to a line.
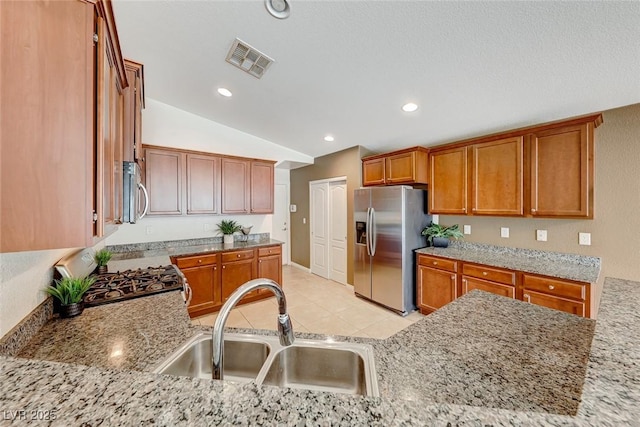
[438,371]
[555,264]
[186,248]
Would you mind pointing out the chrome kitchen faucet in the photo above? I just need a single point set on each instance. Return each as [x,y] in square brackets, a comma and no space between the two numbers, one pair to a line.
[285,329]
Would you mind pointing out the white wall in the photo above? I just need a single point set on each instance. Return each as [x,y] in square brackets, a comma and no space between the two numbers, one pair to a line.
[23,275]
[168,126]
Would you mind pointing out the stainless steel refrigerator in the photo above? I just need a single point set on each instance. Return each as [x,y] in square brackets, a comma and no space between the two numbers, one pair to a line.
[388,222]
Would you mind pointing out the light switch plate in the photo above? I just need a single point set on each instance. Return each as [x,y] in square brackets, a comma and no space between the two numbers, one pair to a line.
[541,235]
[584,239]
[435,219]
[467,229]
[504,232]
[293,208]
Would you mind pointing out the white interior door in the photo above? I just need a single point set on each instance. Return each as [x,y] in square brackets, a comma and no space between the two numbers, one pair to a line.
[338,231]
[280,228]
[318,218]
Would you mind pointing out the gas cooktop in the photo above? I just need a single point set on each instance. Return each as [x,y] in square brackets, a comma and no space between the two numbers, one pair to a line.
[128,284]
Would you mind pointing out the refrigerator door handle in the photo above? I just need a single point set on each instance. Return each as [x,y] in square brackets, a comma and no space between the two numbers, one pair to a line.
[368,232]
[374,232]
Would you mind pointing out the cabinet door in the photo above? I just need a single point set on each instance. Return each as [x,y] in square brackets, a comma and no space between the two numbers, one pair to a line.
[235,274]
[578,308]
[471,283]
[262,187]
[373,172]
[133,104]
[497,177]
[205,287]
[436,288]
[270,267]
[562,172]
[203,184]
[400,168]
[448,181]
[163,178]
[47,133]
[235,185]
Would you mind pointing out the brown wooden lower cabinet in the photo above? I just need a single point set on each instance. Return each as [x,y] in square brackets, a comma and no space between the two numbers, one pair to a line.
[471,283]
[214,277]
[437,285]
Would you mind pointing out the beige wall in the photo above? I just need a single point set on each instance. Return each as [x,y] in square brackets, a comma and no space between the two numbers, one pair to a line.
[343,163]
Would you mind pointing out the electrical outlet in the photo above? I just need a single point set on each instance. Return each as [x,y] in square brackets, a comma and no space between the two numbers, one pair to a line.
[504,232]
[435,219]
[293,208]
[304,220]
[149,229]
[584,239]
[466,229]
[541,235]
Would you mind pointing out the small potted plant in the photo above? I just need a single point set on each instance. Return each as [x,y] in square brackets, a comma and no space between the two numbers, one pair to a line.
[227,227]
[102,258]
[439,235]
[69,291]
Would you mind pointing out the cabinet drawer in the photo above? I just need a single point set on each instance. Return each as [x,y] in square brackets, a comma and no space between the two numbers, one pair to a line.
[195,261]
[439,263]
[272,250]
[556,303]
[555,287]
[487,273]
[237,255]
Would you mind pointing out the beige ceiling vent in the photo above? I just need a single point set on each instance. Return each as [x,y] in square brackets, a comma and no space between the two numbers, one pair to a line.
[248,58]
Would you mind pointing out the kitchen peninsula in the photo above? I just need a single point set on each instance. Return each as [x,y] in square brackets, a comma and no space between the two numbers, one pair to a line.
[121,394]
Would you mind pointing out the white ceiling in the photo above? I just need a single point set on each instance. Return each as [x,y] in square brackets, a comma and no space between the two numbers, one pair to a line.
[346,67]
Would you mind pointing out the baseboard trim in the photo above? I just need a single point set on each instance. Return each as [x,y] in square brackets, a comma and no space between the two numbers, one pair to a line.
[300,267]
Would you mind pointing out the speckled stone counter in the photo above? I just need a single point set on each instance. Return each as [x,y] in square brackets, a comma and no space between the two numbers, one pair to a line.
[190,247]
[405,361]
[555,264]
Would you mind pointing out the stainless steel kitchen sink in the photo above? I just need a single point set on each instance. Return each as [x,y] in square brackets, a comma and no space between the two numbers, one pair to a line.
[244,357]
[307,364]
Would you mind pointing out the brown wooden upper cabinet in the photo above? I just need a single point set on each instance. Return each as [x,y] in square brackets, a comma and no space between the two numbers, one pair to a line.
[562,172]
[448,187]
[408,166]
[539,171]
[203,184]
[486,177]
[163,179]
[262,186]
[183,182]
[65,150]
[133,105]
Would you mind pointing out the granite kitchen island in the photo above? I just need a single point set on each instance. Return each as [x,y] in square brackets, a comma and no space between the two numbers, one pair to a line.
[435,372]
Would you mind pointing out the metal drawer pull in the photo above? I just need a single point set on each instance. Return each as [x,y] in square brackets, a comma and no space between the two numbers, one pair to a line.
[527,298]
[551,287]
[484,273]
[435,262]
[199,261]
[238,255]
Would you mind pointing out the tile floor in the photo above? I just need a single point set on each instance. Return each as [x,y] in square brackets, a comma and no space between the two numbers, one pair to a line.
[320,306]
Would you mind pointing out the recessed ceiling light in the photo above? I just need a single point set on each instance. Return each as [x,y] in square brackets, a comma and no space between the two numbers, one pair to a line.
[329,138]
[224,92]
[409,107]
[278,8]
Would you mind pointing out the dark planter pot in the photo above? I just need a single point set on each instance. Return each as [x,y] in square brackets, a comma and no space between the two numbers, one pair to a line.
[71,310]
[102,269]
[440,242]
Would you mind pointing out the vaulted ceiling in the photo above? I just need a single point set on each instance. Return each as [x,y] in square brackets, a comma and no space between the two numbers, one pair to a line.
[345,68]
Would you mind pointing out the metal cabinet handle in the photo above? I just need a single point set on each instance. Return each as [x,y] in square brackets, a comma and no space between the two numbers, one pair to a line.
[260,261]
[224,266]
[552,287]
[527,298]
[533,211]
[435,262]
[238,255]
[199,261]
[484,273]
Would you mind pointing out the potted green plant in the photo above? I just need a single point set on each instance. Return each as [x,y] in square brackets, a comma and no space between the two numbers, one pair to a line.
[227,227]
[439,235]
[69,291]
[102,258]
